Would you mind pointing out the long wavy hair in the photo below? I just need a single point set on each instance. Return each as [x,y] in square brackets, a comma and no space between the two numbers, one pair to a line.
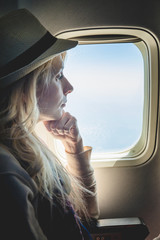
[19,115]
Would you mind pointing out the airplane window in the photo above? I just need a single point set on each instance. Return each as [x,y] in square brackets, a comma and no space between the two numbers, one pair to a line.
[114,73]
[108,94]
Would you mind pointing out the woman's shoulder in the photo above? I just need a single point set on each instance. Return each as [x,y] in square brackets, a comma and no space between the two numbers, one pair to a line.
[9,165]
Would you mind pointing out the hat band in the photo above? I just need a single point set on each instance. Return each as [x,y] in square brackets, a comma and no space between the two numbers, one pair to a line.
[29,55]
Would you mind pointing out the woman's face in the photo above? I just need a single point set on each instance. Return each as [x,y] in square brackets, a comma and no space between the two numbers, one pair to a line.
[52,100]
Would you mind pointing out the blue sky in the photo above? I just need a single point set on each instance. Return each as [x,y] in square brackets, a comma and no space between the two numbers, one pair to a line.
[108,95]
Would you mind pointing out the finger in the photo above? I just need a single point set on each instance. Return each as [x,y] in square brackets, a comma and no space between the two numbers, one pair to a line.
[71,127]
[47,124]
[55,132]
[60,131]
[59,125]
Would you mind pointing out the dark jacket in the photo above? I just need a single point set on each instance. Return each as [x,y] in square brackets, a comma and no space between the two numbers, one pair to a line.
[27,215]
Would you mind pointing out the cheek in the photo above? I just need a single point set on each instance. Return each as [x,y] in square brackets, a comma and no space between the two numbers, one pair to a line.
[50,97]
[53,96]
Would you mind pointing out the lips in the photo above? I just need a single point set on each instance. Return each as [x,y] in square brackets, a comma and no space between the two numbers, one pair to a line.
[63,105]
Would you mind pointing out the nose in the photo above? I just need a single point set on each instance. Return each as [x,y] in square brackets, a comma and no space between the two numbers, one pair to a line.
[67,87]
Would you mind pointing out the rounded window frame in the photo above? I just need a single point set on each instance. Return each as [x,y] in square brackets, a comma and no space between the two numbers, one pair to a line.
[146,41]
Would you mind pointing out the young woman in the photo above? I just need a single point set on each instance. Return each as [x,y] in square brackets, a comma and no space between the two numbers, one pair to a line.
[40,199]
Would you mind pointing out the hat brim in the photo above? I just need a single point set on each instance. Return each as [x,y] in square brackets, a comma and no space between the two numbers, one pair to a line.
[58,47]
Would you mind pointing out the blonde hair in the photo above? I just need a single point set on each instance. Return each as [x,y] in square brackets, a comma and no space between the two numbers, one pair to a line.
[19,115]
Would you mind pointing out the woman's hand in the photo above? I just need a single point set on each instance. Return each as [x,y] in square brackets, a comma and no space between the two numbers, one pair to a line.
[66,130]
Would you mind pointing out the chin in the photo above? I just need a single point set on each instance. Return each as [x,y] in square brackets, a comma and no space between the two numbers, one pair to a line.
[58,115]
[51,117]
[54,115]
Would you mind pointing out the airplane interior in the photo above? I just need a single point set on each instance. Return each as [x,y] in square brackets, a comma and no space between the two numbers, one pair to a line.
[116,67]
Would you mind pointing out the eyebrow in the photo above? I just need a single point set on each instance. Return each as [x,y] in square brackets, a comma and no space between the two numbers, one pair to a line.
[61,69]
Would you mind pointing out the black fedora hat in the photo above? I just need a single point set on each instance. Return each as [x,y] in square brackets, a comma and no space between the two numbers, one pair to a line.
[25,44]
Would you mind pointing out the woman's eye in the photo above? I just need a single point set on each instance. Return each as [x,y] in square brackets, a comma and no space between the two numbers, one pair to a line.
[59,76]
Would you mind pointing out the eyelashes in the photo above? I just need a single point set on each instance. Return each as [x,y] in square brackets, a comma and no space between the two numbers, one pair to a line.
[59,76]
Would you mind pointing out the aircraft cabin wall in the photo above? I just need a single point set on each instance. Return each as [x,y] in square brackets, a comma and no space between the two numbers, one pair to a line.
[123,191]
